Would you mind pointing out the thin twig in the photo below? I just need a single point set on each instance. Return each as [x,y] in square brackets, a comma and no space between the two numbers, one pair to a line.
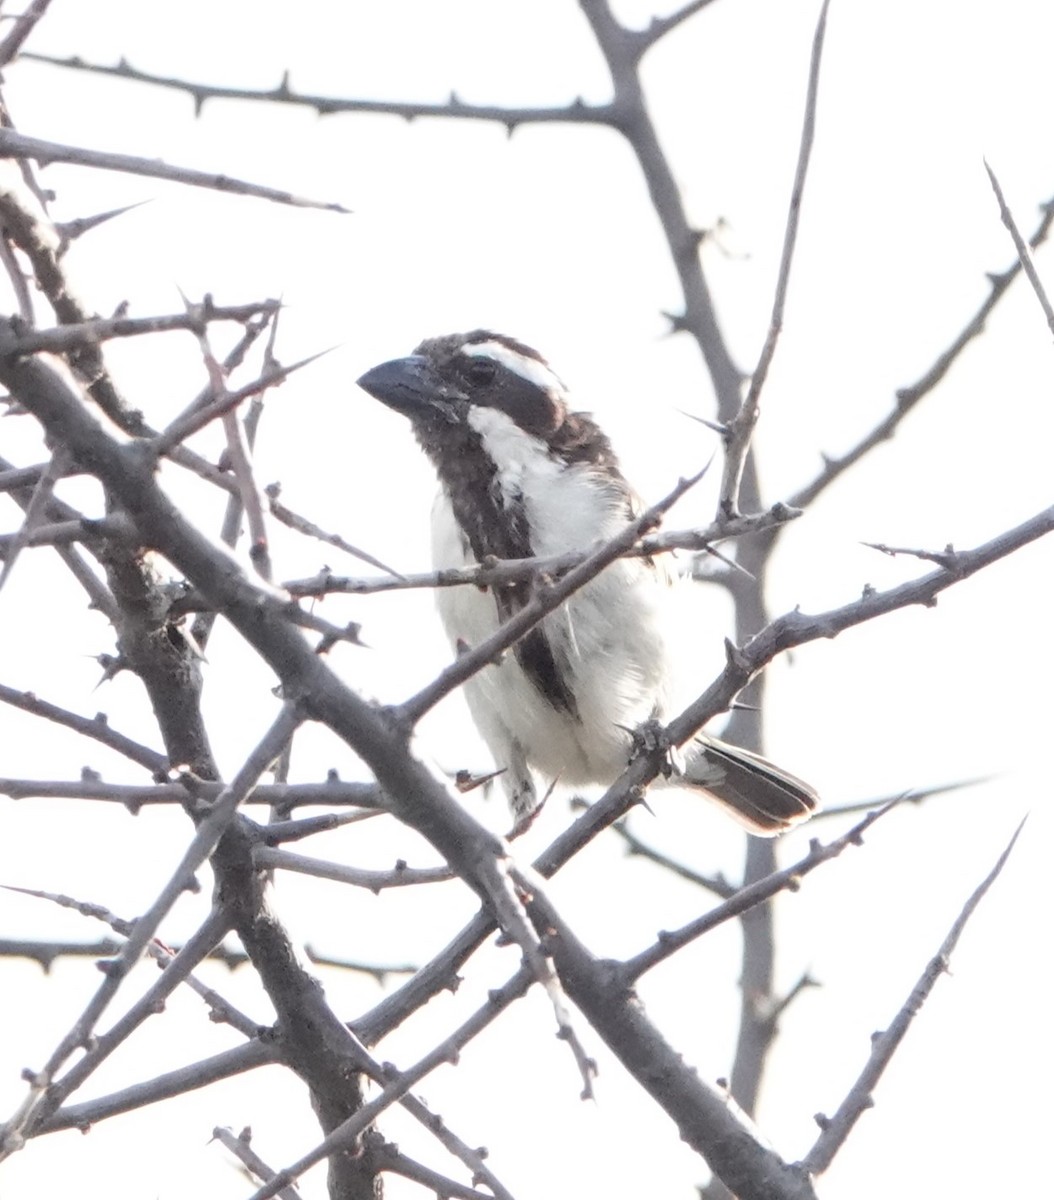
[907,398]
[115,527]
[661,26]
[717,884]
[247,1057]
[63,338]
[789,879]
[390,1158]
[21,29]
[741,426]
[915,796]
[17,145]
[497,572]
[836,1129]
[309,529]
[575,113]
[1024,254]
[239,453]
[375,881]
[239,1146]
[285,796]
[36,508]
[182,428]
[45,1094]
[398,1084]
[221,1010]
[943,558]
[96,728]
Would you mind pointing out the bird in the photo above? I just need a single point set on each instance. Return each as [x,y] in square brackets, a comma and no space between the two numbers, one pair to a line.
[523,475]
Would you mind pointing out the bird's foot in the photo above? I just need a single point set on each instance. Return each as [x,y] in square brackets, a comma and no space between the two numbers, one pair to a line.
[651,738]
[526,807]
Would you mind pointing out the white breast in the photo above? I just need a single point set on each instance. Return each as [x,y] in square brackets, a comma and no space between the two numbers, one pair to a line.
[608,636]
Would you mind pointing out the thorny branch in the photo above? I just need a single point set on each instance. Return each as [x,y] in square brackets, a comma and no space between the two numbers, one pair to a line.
[264,622]
[17,145]
[908,398]
[741,426]
[835,1130]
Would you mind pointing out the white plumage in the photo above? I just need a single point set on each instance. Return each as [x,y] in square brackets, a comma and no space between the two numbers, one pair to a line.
[520,474]
[609,635]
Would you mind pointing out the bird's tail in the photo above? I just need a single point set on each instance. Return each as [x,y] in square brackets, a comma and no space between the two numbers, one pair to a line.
[762,797]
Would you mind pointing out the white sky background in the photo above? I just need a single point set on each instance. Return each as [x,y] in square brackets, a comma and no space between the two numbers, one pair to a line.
[549,236]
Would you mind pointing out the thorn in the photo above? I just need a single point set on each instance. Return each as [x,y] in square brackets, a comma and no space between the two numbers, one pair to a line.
[69,231]
[720,429]
[678,322]
[729,562]
[735,657]
[466,782]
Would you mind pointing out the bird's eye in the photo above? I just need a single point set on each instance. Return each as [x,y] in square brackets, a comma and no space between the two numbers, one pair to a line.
[481,371]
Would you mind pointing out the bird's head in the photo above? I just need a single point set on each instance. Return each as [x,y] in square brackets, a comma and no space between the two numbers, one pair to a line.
[482,402]
[446,379]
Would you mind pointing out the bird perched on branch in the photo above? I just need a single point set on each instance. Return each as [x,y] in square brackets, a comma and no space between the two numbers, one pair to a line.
[521,475]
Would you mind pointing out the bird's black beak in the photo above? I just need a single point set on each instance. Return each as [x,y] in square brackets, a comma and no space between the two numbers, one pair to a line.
[412,387]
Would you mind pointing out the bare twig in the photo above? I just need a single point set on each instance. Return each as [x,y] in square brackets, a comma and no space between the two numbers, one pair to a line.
[795,628]
[35,509]
[96,728]
[907,398]
[397,1084]
[17,145]
[221,1010]
[44,953]
[115,527]
[248,1057]
[706,1119]
[717,884]
[239,454]
[310,529]
[17,277]
[195,420]
[789,878]
[97,592]
[390,1158]
[741,426]
[21,29]
[661,26]
[284,796]
[915,796]
[375,881]
[64,338]
[943,558]
[516,570]
[239,1145]
[280,829]
[1024,254]
[836,1129]
[576,113]
[45,1094]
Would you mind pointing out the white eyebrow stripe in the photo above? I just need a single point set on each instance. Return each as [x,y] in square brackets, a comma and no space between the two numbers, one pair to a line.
[527,368]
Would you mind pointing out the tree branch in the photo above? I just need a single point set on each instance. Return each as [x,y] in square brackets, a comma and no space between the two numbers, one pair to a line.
[18,146]
[836,1129]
